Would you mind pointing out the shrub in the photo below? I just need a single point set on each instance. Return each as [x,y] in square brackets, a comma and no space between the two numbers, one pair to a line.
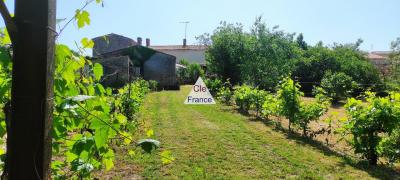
[130,97]
[289,99]
[194,71]
[389,147]
[258,99]
[270,106]
[309,112]
[213,85]
[225,95]
[373,125]
[243,97]
[153,85]
[337,86]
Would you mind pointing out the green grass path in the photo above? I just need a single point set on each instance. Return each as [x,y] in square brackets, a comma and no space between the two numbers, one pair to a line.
[215,142]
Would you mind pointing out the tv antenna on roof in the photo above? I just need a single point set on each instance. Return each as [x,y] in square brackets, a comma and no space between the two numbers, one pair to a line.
[186,23]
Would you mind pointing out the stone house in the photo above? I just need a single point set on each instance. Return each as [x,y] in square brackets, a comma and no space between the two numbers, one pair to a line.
[124,59]
[381,60]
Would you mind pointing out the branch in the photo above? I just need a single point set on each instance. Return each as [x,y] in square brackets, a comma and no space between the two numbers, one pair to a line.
[8,20]
[73,17]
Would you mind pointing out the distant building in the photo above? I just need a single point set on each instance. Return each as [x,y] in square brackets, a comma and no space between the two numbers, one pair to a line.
[381,60]
[191,53]
[124,59]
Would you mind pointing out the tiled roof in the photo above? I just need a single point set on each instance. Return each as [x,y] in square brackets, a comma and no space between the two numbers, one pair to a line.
[179,47]
[376,56]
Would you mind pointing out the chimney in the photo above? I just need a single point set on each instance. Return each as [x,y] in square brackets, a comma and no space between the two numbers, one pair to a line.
[139,41]
[184,42]
[147,42]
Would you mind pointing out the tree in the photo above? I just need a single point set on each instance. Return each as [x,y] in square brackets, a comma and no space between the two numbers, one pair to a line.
[224,57]
[269,56]
[337,86]
[395,62]
[300,42]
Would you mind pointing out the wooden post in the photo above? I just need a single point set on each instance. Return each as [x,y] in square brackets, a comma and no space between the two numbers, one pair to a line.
[29,146]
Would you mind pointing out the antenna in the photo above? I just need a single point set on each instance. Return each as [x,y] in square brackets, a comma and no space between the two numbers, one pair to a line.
[186,23]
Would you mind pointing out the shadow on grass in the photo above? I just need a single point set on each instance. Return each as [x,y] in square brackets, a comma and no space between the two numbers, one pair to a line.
[380,171]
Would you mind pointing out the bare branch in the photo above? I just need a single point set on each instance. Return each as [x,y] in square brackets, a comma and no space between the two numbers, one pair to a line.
[10,23]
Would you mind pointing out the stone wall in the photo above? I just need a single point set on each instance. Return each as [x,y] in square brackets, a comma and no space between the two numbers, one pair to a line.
[161,68]
[110,43]
[117,71]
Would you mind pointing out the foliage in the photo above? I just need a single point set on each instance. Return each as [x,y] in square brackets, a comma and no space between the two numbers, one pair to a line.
[389,147]
[213,85]
[289,99]
[337,85]
[395,63]
[243,97]
[225,95]
[130,97]
[309,112]
[270,106]
[372,126]
[258,58]
[258,99]
[153,85]
[195,71]
[190,73]
[225,54]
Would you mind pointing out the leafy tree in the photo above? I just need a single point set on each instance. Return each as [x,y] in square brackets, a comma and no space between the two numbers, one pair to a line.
[269,56]
[300,42]
[337,85]
[395,63]
[373,125]
[224,57]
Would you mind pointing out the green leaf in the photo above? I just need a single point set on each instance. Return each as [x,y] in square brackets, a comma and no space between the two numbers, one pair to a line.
[87,43]
[150,133]
[166,157]
[82,18]
[108,159]
[97,71]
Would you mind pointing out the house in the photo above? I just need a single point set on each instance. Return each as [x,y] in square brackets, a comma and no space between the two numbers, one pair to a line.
[381,60]
[124,59]
[191,53]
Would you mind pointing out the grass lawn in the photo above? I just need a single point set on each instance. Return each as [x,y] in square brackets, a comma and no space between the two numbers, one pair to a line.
[216,142]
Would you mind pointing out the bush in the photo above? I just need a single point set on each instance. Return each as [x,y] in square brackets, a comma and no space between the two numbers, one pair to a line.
[213,85]
[309,112]
[130,97]
[194,72]
[243,97]
[338,85]
[190,74]
[373,126]
[225,95]
[258,100]
[270,106]
[289,99]
[153,85]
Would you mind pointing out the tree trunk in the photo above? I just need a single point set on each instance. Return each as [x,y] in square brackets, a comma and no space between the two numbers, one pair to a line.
[29,149]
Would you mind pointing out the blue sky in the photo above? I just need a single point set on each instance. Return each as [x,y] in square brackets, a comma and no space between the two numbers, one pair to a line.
[343,21]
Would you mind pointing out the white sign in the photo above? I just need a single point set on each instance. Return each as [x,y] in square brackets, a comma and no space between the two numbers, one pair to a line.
[199,94]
